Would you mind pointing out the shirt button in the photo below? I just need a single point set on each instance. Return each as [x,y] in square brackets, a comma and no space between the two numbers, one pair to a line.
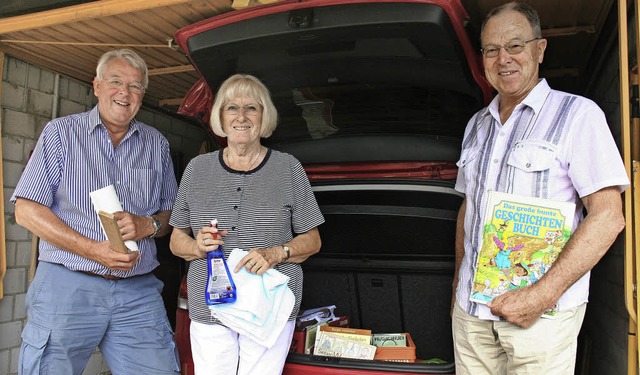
[495,160]
[528,165]
[239,189]
[234,228]
[235,207]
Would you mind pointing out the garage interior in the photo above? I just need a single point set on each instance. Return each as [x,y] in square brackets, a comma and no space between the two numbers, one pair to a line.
[68,37]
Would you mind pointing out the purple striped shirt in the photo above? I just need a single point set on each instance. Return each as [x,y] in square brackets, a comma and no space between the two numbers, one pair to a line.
[75,156]
[555,146]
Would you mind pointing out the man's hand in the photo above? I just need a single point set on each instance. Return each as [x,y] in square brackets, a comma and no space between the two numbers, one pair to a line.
[133,227]
[105,255]
[522,307]
[40,220]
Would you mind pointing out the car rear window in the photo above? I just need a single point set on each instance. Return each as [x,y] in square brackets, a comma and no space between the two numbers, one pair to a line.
[351,109]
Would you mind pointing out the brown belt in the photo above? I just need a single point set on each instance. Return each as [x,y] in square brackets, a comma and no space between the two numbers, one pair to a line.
[108,277]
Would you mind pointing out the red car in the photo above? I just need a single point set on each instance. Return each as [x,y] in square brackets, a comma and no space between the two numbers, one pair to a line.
[373,98]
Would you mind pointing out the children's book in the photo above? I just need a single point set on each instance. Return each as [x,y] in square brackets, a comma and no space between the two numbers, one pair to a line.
[522,237]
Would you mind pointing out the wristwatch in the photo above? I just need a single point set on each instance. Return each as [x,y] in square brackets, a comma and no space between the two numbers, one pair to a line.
[286,251]
[156,226]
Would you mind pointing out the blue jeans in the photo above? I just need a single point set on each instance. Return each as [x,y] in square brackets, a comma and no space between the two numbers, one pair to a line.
[71,313]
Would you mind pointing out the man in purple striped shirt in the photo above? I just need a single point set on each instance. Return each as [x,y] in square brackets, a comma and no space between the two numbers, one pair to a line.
[539,142]
[85,294]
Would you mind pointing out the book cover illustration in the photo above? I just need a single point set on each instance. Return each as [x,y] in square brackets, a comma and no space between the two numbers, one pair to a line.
[522,237]
[344,343]
[389,339]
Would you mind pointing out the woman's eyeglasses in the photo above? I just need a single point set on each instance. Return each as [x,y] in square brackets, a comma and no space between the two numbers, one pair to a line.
[247,109]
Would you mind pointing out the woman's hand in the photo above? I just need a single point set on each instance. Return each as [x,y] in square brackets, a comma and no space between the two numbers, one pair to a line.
[207,239]
[301,247]
[259,261]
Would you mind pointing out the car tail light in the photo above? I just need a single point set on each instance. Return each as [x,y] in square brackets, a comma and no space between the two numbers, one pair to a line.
[183,298]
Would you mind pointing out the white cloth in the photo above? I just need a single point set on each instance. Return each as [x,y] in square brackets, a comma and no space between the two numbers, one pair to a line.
[555,146]
[263,303]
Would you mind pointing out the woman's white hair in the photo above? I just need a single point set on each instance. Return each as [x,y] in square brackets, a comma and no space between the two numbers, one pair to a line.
[244,86]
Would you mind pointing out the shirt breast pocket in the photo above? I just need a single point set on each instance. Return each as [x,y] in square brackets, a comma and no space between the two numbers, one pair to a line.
[533,156]
[468,156]
[468,165]
[143,188]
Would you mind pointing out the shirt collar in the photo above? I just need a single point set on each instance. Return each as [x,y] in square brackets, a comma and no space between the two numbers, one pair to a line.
[95,121]
[537,96]
[535,99]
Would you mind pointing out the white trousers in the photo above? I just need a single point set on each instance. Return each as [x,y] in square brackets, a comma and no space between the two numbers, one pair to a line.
[487,347]
[218,350]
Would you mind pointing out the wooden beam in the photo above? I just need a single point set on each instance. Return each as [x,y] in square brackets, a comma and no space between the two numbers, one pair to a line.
[171,70]
[91,44]
[81,12]
[240,4]
[3,250]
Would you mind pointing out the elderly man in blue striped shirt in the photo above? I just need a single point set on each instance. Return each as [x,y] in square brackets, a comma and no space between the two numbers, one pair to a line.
[85,294]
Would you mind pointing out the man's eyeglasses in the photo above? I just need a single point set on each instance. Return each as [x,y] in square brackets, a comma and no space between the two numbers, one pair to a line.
[512,48]
[248,109]
[135,88]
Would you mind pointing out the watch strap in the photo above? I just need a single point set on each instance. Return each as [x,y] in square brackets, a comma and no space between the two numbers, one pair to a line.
[156,226]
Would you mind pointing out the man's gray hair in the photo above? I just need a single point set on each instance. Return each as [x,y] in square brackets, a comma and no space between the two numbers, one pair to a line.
[522,8]
[130,57]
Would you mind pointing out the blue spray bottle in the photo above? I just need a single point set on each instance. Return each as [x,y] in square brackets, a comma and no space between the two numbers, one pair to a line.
[220,286]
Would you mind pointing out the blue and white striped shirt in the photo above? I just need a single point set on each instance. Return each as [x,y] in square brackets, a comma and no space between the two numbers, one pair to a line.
[75,156]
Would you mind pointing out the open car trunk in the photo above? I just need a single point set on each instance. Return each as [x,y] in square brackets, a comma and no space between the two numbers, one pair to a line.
[387,261]
[387,256]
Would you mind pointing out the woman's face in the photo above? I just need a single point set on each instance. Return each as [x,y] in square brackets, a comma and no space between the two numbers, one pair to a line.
[242,121]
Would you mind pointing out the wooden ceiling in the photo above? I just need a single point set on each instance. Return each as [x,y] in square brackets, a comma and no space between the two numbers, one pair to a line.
[69,39]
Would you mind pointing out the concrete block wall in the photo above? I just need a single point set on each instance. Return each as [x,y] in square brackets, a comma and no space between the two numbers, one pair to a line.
[31,96]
